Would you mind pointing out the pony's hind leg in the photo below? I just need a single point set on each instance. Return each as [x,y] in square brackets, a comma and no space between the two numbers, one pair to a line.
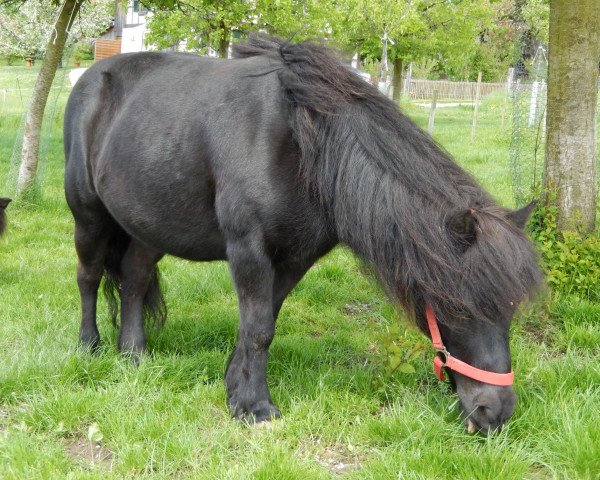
[91,243]
[137,274]
[246,374]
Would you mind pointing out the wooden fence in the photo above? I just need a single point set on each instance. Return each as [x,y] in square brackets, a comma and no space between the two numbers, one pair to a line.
[423,89]
[106,48]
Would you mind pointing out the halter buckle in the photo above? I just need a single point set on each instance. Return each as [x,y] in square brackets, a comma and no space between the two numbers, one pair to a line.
[439,364]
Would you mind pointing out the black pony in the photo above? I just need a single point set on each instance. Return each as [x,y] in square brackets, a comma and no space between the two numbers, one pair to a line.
[269,161]
[3,204]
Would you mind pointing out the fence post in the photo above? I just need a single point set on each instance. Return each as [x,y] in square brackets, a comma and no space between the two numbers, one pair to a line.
[509,80]
[533,101]
[407,81]
[20,94]
[476,109]
[432,112]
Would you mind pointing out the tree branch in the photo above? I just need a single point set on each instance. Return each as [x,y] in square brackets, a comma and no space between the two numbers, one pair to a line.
[432,5]
[12,2]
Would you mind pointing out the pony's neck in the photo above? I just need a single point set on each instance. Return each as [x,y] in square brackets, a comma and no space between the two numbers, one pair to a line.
[388,158]
[389,189]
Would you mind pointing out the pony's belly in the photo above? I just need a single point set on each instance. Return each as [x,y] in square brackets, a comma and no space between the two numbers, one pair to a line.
[169,209]
[195,245]
[190,235]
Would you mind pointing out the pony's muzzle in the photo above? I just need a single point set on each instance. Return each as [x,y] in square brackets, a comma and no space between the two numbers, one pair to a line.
[485,408]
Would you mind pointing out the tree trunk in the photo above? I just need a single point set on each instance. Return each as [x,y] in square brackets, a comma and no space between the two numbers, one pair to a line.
[224,42]
[570,170]
[397,80]
[39,97]
[383,65]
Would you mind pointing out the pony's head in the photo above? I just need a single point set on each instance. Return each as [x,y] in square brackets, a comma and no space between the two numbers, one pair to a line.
[3,204]
[498,270]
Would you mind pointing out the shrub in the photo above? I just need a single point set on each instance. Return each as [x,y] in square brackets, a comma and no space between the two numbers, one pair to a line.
[571,261]
[83,51]
[10,60]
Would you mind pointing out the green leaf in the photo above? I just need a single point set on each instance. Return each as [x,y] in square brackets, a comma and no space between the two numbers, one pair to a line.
[94,434]
[406,368]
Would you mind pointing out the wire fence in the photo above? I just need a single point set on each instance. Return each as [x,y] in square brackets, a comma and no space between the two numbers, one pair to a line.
[15,94]
[523,126]
[522,120]
[528,129]
[516,106]
[418,89]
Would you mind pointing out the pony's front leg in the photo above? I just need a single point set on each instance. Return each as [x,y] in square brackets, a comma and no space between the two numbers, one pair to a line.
[246,373]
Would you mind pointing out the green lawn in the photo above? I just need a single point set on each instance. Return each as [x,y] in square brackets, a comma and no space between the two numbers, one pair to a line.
[67,414]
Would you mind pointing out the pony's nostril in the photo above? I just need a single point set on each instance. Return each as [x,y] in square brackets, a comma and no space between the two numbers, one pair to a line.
[486,412]
[488,419]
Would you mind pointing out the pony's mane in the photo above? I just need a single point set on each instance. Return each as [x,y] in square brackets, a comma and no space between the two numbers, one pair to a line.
[390,191]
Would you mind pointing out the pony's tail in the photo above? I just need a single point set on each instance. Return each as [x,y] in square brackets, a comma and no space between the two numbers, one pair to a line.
[155,309]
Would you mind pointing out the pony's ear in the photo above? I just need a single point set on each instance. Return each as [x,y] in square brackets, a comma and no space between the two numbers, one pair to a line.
[519,217]
[463,224]
[4,202]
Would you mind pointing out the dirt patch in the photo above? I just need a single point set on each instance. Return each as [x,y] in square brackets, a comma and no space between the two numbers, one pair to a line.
[537,324]
[356,308]
[89,453]
[539,332]
[339,459]
[544,332]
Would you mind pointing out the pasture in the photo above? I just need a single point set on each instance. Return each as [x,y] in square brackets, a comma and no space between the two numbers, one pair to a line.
[347,412]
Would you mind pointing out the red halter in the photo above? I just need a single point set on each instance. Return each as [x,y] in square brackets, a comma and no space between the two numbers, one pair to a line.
[452,363]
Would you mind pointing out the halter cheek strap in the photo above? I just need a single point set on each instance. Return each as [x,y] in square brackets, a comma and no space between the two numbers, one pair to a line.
[443,359]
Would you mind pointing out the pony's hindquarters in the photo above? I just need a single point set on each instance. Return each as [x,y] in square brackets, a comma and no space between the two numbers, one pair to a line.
[103,246]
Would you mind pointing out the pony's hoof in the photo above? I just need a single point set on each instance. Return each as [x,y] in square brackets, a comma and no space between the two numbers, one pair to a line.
[263,411]
[91,344]
[133,353]
[134,356]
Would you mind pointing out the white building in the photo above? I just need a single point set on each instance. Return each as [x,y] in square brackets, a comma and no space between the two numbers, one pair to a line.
[133,33]
[128,33]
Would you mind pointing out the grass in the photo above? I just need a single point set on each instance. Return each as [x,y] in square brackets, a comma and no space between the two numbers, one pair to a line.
[67,414]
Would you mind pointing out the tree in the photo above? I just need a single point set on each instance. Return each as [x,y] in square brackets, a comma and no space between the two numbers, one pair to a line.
[535,13]
[445,30]
[201,24]
[459,36]
[41,90]
[24,31]
[26,26]
[382,29]
[198,23]
[299,19]
[570,176]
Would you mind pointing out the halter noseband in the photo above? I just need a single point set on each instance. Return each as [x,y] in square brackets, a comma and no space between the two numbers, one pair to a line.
[443,359]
